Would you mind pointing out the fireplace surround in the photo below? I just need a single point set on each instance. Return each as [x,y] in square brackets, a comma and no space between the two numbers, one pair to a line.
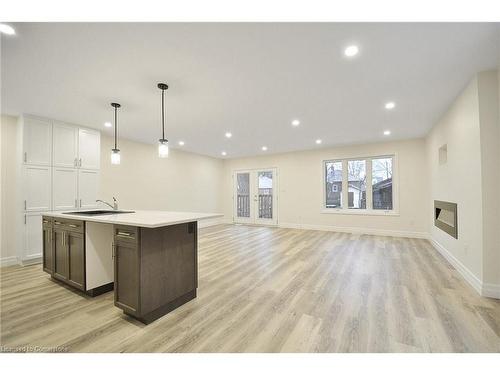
[446,218]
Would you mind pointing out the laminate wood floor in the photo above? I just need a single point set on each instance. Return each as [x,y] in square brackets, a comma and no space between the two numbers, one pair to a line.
[272,290]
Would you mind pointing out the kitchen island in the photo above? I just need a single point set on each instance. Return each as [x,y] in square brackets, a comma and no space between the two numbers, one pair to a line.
[149,258]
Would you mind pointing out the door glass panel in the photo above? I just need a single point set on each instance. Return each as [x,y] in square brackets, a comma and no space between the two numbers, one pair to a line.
[243,194]
[265,181]
[357,183]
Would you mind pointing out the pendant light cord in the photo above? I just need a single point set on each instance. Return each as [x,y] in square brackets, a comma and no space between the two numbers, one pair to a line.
[163,113]
[115,128]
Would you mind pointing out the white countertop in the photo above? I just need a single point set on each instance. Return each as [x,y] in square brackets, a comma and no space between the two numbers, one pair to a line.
[147,219]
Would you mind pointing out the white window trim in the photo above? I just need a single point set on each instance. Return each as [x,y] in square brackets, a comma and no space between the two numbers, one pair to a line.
[369,198]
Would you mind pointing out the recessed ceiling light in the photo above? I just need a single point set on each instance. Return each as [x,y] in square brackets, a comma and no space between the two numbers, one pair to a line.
[351,51]
[387,132]
[264,148]
[228,135]
[6,29]
[223,153]
[390,105]
[108,124]
[181,143]
[318,141]
[295,123]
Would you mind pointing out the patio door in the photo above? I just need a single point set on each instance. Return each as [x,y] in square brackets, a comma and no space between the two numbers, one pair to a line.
[255,196]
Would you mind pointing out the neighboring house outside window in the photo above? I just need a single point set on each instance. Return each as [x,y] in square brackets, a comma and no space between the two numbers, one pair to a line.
[368,181]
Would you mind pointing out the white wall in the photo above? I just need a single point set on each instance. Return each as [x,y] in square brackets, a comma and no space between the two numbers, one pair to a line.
[8,251]
[182,182]
[488,91]
[301,188]
[459,180]
[470,178]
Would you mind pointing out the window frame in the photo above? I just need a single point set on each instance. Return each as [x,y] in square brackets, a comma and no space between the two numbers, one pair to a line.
[368,211]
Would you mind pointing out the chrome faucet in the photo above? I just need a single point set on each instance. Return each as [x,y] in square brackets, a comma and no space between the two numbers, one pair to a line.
[114,206]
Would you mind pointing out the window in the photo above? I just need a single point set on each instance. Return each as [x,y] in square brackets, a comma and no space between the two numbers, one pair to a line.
[364,184]
[356,183]
[382,184]
[333,173]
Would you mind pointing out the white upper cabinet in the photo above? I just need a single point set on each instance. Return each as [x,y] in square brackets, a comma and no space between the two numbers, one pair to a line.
[65,190]
[88,185]
[65,145]
[89,149]
[37,141]
[37,188]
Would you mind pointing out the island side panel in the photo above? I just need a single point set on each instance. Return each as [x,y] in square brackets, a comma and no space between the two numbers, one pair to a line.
[99,259]
[169,268]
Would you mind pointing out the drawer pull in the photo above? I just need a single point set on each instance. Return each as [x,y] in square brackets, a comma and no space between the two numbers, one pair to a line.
[124,234]
[57,222]
[72,225]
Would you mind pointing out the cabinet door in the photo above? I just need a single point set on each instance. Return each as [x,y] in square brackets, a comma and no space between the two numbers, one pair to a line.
[126,276]
[88,185]
[75,243]
[37,188]
[89,148]
[60,254]
[33,243]
[65,188]
[64,145]
[47,248]
[37,141]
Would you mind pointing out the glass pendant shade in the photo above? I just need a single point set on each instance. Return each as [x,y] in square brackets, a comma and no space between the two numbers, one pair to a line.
[163,148]
[115,156]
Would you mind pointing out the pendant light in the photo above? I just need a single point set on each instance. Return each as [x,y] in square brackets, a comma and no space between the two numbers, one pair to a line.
[115,152]
[163,143]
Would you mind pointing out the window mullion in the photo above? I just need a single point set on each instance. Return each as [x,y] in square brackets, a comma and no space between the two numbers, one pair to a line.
[369,195]
[345,186]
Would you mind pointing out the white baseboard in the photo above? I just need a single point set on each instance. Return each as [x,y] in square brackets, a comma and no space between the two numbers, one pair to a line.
[356,230]
[8,261]
[467,274]
[32,260]
[484,289]
[491,290]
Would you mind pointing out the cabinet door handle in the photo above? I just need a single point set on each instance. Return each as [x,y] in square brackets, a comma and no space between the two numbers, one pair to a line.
[113,251]
[76,203]
[126,234]
[80,203]
[80,162]
[24,219]
[25,157]
[25,205]
[72,225]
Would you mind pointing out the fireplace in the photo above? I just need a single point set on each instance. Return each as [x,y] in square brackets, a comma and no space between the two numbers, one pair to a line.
[445,217]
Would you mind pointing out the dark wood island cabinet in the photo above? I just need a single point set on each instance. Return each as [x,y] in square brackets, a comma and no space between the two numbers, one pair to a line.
[154,266]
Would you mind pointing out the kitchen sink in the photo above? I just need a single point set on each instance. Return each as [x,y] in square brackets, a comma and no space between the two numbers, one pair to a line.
[98,212]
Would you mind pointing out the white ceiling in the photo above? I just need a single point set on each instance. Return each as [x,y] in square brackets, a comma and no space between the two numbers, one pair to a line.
[247,78]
